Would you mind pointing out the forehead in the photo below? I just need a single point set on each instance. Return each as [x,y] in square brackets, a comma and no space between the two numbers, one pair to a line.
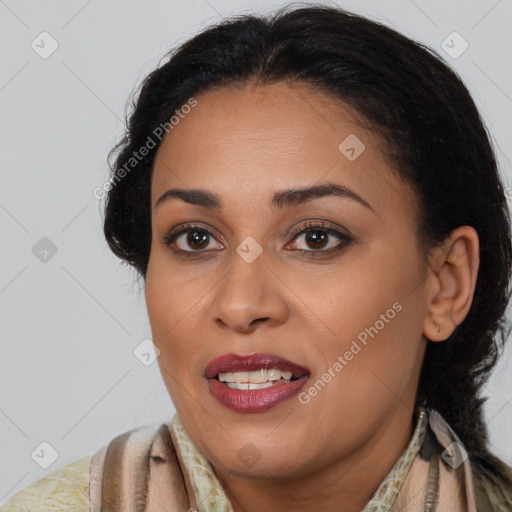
[289,119]
[255,139]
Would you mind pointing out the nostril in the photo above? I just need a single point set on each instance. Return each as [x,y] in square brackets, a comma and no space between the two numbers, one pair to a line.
[260,320]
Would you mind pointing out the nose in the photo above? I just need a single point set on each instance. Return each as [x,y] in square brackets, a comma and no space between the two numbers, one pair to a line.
[249,296]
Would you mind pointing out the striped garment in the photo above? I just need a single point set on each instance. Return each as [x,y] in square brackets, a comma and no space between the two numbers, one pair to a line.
[153,469]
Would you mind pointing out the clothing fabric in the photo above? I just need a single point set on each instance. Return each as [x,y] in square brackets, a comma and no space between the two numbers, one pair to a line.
[158,468]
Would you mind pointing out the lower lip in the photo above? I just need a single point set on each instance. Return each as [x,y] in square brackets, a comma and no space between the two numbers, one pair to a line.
[255,400]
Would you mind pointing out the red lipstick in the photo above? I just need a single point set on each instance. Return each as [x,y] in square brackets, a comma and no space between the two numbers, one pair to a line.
[255,400]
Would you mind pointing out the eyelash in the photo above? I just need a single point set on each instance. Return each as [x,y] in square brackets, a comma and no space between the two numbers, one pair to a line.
[345,240]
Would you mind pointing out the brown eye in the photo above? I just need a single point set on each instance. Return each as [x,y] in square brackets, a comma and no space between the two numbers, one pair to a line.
[319,239]
[197,239]
[192,239]
[316,239]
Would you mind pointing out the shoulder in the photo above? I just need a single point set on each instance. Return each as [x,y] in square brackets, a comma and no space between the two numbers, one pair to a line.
[65,489]
[71,487]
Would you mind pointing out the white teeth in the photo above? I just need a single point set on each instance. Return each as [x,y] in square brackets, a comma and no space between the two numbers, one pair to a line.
[255,377]
[248,386]
[228,376]
[274,374]
[258,376]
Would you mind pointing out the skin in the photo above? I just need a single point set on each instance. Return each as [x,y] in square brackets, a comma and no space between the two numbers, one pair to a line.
[244,144]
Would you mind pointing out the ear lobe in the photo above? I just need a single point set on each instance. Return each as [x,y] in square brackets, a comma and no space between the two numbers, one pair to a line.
[454,275]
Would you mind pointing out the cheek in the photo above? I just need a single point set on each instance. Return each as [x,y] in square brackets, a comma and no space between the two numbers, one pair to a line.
[371,321]
[171,295]
[367,284]
[171,316]
[366,372]
[173,307]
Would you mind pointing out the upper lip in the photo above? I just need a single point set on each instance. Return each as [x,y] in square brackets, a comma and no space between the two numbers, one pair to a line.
[251,362]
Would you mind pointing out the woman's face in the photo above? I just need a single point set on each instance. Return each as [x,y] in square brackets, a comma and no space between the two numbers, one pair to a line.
[332,282]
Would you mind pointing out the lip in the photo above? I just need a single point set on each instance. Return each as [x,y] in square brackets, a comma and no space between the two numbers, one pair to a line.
[256,400]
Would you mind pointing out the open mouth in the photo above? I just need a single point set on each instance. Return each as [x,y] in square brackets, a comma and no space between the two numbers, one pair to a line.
[257,379]
[255,382]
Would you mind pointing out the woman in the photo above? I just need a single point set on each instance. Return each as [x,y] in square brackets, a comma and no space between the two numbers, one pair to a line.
[315,207]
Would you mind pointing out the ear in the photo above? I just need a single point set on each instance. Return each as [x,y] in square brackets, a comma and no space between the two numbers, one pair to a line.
[452,281]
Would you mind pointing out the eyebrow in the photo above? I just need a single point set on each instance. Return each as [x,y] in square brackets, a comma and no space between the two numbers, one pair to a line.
[283,199]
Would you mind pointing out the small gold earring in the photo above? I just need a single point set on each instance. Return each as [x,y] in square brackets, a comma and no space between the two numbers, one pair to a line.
[438,328]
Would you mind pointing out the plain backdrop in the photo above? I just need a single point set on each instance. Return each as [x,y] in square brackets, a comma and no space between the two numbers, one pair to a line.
[72,315]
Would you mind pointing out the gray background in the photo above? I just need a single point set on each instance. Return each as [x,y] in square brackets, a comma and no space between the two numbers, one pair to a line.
[70,324]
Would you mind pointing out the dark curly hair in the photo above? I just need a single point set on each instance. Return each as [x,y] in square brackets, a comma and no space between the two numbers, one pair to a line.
[434,136]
